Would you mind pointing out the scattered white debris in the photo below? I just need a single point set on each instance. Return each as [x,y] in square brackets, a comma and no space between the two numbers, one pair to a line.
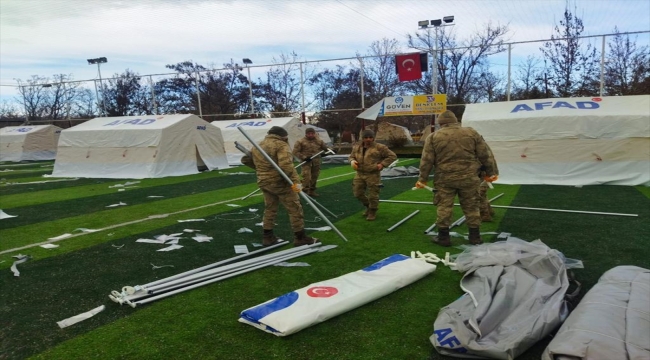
[155,196]
[288,264]
[233,205]
[118,204]
[154,267]
[172,247]
[191,220]
[60,237]
[241,249]
[4,215]
[117,246]
[81,317]
[49,246]
[253,210]
[244,230]
[322,228]
[21,259]
[191,230]
[202,238]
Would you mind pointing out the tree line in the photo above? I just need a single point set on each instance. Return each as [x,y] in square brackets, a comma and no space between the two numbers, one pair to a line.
[563,68]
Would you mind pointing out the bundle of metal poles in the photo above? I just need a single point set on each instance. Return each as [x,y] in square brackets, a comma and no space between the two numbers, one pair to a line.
[159,289]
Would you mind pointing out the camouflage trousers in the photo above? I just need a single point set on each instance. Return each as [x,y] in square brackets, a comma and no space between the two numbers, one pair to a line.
[276,195]
[468,197]
[365,187]
[484,208]
[310,172]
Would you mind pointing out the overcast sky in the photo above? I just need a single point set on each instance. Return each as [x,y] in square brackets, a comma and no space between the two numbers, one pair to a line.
[47,37]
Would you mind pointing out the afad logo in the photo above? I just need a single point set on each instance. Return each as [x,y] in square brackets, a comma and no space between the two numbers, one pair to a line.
[131,121]
[248,123]
[584,105]
[322,291]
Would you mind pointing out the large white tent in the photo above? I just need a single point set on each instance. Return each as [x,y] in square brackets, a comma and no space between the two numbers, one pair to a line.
[257,129]
[28,142]
[572,141]
[136,147]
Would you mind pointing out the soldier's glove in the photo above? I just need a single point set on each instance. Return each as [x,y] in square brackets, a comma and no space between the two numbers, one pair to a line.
[420,185]
[296,187]
[380,166]
[308,159]
[492,178]
[354,164]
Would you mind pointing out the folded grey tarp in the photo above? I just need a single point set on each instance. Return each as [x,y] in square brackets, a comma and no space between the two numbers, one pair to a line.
[611,322]
[400,171]
[335,159]
[514,296]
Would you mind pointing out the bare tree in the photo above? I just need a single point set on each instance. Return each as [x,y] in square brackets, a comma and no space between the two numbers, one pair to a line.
[530,83]
[33,96]
[281,93]
[627,71]
[379,67]
[573,66]
[9,110]
[458,62]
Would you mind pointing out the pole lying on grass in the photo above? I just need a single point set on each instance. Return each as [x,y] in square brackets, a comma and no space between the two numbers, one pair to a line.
[402,221]
[129,294]
[304,196]
[323,207]
[210,281]
[520,207]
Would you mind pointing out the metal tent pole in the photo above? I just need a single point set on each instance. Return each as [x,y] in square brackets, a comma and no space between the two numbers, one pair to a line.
[304,196]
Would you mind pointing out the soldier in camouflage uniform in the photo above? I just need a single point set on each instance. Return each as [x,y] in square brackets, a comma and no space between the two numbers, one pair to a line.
[275,188]
[368,158]
[304,149]
[456,154]
[485,208]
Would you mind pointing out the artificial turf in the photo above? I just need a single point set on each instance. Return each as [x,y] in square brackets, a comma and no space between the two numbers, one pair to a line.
[202,323]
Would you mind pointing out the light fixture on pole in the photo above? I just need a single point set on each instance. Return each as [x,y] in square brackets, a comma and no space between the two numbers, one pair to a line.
[435,24]
[248,62]
[99,61]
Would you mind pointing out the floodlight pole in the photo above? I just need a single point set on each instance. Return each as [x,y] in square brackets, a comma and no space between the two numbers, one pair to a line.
[279,170]
[99,61]
[247,62]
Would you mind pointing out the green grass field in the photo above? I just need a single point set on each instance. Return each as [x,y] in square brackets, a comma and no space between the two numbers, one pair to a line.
[202,323]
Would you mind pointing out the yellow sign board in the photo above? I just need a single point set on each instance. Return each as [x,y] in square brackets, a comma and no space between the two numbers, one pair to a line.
[429,104]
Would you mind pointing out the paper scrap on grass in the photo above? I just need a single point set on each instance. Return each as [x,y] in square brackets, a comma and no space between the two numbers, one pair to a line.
[253,210]
[257,244]
[155,196]
[244,230]
[233,205]
[81,317]
[150,241]
[288,264]
[118,204]
[4,215]
[191,220]
[322,228]
[164,238]
[259,224]
[172,241]
[49,246]
[170,248]
[202,238]
[241,249]
[121,189]
[85,230]
[66,235]
[21,259]
[190,230]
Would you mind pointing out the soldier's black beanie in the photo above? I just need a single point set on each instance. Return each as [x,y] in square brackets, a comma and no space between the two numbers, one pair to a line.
[277,130]
[447,117]
[368,133]
[309,129]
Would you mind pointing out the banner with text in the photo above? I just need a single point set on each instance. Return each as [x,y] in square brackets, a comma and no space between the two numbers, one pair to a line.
[414,105]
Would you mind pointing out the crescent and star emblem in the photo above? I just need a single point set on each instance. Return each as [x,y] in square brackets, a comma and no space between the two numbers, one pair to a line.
[408,68]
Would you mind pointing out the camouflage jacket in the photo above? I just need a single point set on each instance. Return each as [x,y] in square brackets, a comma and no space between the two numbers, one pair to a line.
[280,152]
[455,153]
[305,148]
[368,158]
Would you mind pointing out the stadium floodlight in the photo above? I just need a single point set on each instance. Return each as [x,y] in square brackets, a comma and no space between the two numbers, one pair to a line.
[99,61]
[248,62]
[423,23]
[448,19]
[436,22]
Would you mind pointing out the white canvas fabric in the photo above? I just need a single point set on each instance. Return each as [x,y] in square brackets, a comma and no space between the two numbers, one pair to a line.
[137,147]
[611,321]
[257,129]
[29,142]
[572,141]
[318,302]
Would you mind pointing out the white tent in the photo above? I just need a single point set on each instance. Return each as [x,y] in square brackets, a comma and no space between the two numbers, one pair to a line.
[386,130]
[29,142]
[257,129]
[572,141]
[136,147]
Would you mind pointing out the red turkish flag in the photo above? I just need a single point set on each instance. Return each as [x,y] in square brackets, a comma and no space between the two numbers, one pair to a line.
[408,67]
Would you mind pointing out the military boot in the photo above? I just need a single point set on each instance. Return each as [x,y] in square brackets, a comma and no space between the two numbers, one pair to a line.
[475,236]
[268,238]
[443,238]
[300,239]
[372,214]
[365,213]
